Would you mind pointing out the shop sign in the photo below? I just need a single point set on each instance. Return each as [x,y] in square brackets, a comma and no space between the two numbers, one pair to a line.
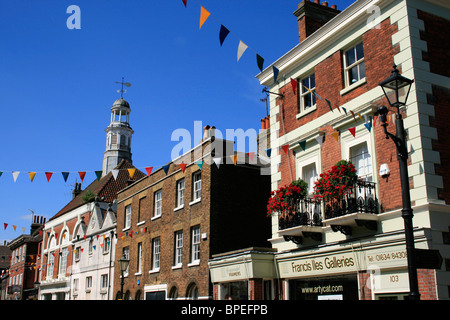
[229,273]
[338,263]
[387,257]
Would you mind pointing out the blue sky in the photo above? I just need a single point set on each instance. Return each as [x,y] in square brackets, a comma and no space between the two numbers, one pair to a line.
[57,85]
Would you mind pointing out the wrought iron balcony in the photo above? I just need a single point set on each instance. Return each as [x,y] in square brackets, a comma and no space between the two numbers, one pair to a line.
[307,214]
[362,200]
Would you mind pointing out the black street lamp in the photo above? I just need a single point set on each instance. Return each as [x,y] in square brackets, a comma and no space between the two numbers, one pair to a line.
[123,265]
[396,89]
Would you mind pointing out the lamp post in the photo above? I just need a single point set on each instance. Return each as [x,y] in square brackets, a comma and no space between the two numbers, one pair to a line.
[123,264]
[396,89]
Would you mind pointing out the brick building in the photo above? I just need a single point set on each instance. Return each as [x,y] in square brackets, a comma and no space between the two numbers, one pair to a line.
[172,222]
[355,248]
[5,262]
[25,263]
[78,241]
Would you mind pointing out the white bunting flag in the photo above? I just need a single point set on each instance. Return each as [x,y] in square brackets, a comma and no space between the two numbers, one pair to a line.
[15,175]
[241,49]
[217,161]
[115,172]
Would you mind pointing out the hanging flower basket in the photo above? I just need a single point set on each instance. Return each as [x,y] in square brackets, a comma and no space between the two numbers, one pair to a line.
[286,200]
[336,183]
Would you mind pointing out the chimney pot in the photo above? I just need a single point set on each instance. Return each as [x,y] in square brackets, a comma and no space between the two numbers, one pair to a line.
[333,7]
[325,3]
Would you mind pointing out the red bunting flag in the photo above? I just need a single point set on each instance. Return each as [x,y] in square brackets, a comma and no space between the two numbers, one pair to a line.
[48,175]
[185,3]
[251,155]
[353,114]
[183,166]
[82,174]
[352,131]
[294,85]
[5,224]
[285,148]
[149,170]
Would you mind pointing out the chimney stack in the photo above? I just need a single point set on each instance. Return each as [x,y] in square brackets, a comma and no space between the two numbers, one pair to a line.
[77,190]
[313,15]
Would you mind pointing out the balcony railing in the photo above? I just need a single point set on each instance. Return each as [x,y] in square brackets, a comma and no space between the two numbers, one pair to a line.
[362,200]
[308,213]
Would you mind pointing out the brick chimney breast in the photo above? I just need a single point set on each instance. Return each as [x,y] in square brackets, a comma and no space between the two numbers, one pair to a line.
[313,15]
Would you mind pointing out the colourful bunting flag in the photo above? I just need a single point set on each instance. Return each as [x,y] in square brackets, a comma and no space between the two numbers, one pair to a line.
[223,34]
[65,175]
[352,131]
[275,73]
[149,170]
[1,172]
[32,175]
[15,174]
[251,155]
[115,173]
[345,110]
[368,125]
[241,49]
[5,225]
[131,172]
[329,104]
[217,161]
[268,152]
[200,163]
[260,62]
[302,144]
[185,3]
[234,158]
[166,168]
[336,135]
[14,227]
[353,114]
[319,140]
[82,174]
[98,174]
[48,175]
[183,166]
[204,15]
[285,148]
[294,85]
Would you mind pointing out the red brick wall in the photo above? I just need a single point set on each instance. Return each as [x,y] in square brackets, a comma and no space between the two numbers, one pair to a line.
[436,34]
[427,284]
[255,289]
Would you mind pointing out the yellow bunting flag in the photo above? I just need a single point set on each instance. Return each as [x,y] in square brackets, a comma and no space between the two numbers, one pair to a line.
[32,175]
[204,14]
[131,171]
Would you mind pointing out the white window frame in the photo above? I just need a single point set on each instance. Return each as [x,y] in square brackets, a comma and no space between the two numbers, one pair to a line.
[357,63]
[178,249]
[126,254]
[157,201]
[156,254]
[303,93]
[139,259]
[127,217]
[63,261]
[180,194]
[196,187]
[195,245]
[104,281]
[50,264]
[106,245]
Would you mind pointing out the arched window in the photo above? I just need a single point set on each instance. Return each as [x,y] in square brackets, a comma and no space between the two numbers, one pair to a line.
[192,292]
[138,295]
[173,293]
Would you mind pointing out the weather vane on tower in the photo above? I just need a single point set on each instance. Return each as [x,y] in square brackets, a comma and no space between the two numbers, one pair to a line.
[127,84]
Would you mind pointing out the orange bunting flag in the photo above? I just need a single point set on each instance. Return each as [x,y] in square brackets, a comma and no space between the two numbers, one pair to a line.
[204,14]
[183,166]
[48,175]
[234,158]
[131,172]
[82,174]
[352,131]
[285,148]
[336,135]
[32,175]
